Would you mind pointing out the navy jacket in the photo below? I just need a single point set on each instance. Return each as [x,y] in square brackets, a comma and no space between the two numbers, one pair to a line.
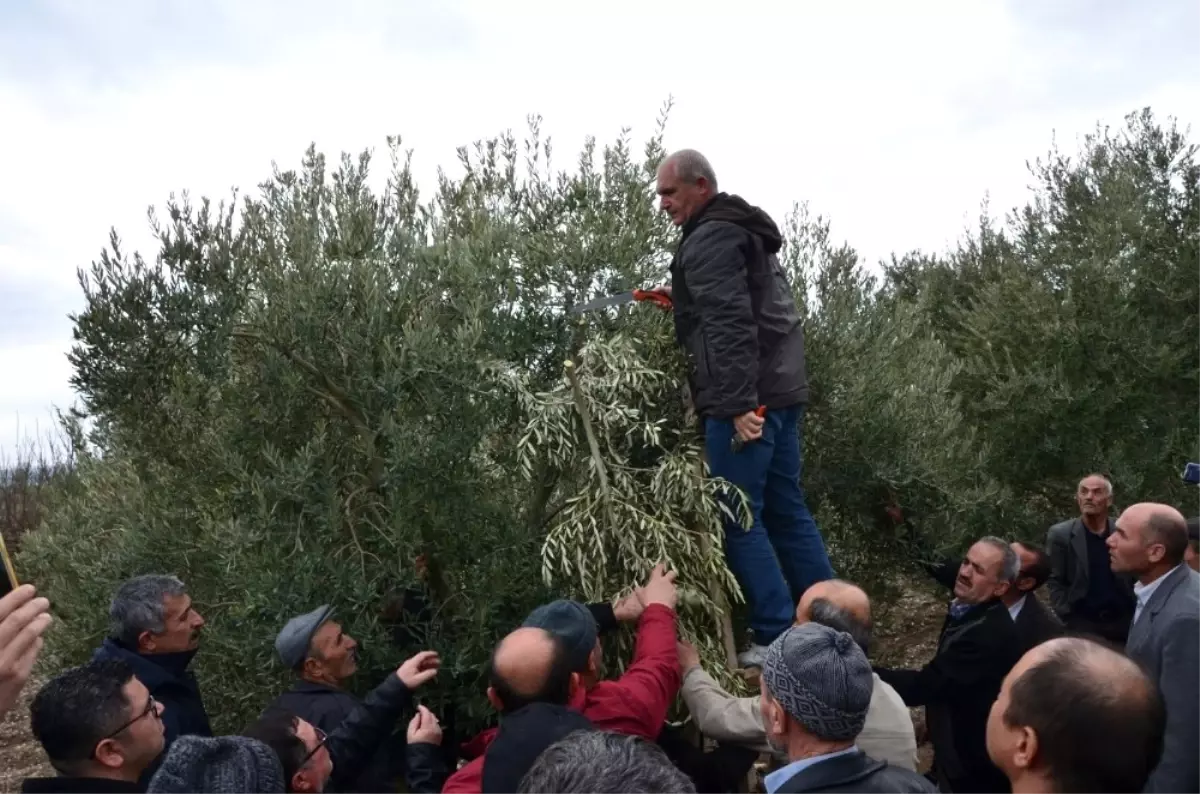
[328,707]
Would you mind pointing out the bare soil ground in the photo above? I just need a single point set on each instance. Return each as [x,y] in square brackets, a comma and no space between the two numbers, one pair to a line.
[905,636]
[20,755]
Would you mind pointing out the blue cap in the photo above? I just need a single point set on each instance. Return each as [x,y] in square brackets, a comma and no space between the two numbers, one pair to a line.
[572,623]
[293,642]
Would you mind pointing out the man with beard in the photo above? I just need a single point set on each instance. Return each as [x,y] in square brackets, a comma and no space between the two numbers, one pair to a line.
[1085,593]
[736,320]
[156,631]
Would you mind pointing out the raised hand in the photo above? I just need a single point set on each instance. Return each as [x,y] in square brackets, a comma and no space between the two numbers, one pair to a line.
[424,728]
[660,589]
[689,657]
[631,607]
[23,620]
[419,669]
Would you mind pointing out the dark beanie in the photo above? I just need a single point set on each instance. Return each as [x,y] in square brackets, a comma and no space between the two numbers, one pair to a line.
[221,765]
[822,679]
[572,623]
[522,737]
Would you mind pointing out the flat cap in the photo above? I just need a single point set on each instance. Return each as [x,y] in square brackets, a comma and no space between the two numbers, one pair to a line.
[572,623]
[292,643]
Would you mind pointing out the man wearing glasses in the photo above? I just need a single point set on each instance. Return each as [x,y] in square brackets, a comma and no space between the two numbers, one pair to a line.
[100,728]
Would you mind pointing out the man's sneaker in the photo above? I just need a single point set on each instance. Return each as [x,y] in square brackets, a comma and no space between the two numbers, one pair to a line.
[753,657]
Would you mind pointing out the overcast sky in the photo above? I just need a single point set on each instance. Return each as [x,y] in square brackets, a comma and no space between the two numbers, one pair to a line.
[892,119]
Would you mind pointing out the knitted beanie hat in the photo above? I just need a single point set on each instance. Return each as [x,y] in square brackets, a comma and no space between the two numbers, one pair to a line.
[220,765]
[822,679]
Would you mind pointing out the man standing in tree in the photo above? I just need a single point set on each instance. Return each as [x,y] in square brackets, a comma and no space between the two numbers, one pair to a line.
[736,319]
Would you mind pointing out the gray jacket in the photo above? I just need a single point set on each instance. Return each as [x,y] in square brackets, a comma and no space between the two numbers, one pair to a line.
[888,734]
[1066,545]
[1165,641]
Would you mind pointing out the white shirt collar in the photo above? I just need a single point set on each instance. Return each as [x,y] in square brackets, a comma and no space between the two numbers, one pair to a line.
[1015,609]
[1143,591]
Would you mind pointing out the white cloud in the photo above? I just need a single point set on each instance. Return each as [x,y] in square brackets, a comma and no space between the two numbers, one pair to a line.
[894,120]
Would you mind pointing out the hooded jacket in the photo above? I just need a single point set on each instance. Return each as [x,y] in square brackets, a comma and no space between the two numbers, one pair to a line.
[735,316]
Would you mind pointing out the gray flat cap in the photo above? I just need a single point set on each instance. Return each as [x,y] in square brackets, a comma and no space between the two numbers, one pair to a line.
[292,643]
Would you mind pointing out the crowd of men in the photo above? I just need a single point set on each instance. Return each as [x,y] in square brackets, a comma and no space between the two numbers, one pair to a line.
[1010,705]
[1097,693]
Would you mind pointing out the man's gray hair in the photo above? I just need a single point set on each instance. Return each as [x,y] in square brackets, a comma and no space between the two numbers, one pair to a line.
[827,613]
[1011,566]
[1108,488]
[138,606]
[587,761]
[690,166]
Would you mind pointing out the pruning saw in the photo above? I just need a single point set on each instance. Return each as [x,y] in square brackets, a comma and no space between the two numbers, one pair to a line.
[661,299]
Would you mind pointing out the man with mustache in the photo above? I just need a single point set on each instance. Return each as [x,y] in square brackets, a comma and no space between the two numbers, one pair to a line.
[324,657]
[1084,592]
[156,631]
[977,648]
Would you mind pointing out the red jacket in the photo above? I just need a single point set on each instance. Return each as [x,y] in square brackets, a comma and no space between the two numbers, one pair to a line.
[635,704]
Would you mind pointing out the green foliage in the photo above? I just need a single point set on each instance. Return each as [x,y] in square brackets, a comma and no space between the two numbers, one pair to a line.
[308,389]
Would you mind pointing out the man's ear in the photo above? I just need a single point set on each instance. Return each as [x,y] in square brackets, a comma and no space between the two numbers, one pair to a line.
[145,642]
[311,667]
[575,684]
[303,781]
[776,719]
[1025,753]
[494,699]
[108,754]
[1156,552]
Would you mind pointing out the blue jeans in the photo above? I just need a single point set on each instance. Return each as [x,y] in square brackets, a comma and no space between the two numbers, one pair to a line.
[783,553]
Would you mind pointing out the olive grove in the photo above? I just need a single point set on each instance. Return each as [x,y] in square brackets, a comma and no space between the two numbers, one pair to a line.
[305,390]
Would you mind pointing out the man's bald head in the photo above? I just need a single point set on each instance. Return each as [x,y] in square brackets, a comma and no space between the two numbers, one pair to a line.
[1078,714]
[1148,538]
[839,605]
[530,665]
[838,592]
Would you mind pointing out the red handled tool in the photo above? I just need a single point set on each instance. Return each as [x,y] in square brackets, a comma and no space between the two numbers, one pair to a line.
[662,299]
[736,444]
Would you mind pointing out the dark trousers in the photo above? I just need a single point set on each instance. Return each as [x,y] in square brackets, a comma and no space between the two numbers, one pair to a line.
[783,553]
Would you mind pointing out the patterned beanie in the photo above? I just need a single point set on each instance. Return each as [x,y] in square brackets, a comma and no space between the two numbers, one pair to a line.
[220,765]
[822,679]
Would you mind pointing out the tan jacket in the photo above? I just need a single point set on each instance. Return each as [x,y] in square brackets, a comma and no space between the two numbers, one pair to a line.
[887,735]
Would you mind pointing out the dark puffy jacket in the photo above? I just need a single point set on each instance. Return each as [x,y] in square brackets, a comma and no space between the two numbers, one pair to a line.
[854,772]
[327,707]
[170,682]
[361,735]
[735,316]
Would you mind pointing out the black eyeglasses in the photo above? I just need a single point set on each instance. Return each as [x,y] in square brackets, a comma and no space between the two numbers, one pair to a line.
[151,708]
[322,737]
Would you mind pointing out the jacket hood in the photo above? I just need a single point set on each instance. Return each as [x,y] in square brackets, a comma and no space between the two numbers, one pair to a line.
[736,210]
